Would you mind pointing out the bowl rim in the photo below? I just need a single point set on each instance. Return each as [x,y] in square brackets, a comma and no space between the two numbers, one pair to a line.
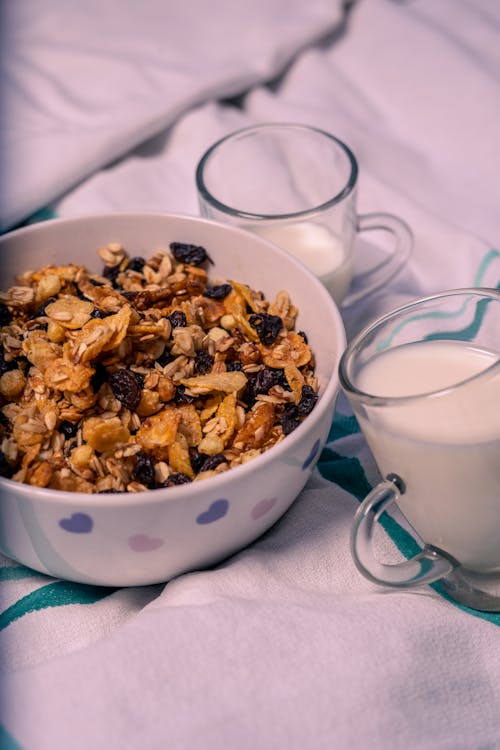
[184,492]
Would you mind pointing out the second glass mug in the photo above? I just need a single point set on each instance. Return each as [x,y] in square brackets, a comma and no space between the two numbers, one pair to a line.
[424,384]
[295,185]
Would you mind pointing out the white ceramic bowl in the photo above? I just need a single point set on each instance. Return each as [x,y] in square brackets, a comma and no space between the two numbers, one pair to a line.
[129,539]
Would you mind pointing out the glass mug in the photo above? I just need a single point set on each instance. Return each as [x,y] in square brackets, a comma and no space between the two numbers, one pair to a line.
[424,384]
[295,185]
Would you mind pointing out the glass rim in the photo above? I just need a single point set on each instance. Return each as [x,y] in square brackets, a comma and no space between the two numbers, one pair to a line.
[369,398]
[205,193]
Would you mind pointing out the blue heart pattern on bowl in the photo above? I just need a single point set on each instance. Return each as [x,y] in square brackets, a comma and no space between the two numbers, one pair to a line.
[312,455]
[217,510]
[82,523]
[78,523]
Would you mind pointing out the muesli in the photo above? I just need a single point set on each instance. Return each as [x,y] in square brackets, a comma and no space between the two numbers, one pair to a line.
[147,375]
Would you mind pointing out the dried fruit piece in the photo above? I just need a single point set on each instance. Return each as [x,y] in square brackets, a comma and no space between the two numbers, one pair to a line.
[190,254]
[174,480]
[217,292]
[144,471]
[307,402]
[126,387]
[267,327]
[5,315]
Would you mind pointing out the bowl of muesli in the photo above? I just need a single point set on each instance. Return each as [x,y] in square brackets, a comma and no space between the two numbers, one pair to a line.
[166,386]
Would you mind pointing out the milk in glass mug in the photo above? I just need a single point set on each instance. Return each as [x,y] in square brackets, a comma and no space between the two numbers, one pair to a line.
[424,384]
[295,185]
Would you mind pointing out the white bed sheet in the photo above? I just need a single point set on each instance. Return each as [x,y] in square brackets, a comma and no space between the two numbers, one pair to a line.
[283,646]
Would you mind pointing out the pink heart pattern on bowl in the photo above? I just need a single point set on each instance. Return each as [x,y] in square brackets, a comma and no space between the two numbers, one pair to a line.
[263,507]
[144,543]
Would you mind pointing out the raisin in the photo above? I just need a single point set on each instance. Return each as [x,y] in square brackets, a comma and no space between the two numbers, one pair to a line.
[136,264]
[197,460]
[289,420]
[81,295]
[5,315]
[203,362]
[181,397]
[307,401]
[99,377]
[165,358]
[211,462]
[6,469]
[177,478]
[144,470]
[125,387]
[219,291]
[177,319]
[111,273]
[5,366]
[95,282]
[140,378]
[193,255]
[264,381]
[234,366]
[267,327]
[98,313]
[304,336]
[261,382]
[68,429]
[40,312]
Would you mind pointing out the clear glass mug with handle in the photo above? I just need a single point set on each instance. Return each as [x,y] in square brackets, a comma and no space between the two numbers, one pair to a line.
[424,384]
[296,186]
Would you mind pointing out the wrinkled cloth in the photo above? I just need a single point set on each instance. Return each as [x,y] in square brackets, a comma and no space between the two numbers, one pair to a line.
[284,645]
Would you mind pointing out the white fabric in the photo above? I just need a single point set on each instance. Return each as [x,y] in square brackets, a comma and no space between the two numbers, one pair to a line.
[284,645]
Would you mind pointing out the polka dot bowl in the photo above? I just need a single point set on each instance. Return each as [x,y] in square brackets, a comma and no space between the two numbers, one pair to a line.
[130,539]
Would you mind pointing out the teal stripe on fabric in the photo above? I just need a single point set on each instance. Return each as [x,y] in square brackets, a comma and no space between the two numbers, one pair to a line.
[345,471]
[467,333]
[56,594]
[342,426]
[7,741]
[15,573]
[483,266]
[44,214]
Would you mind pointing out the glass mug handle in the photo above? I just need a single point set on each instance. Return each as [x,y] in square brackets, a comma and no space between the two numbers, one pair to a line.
[389,267]
[428,566]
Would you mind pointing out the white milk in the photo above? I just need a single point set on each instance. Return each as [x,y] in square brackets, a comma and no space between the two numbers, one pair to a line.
[446,447]
[320,250]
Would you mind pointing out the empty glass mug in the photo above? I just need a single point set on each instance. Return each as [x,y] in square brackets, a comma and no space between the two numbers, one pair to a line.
[296,186]
[424,384]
